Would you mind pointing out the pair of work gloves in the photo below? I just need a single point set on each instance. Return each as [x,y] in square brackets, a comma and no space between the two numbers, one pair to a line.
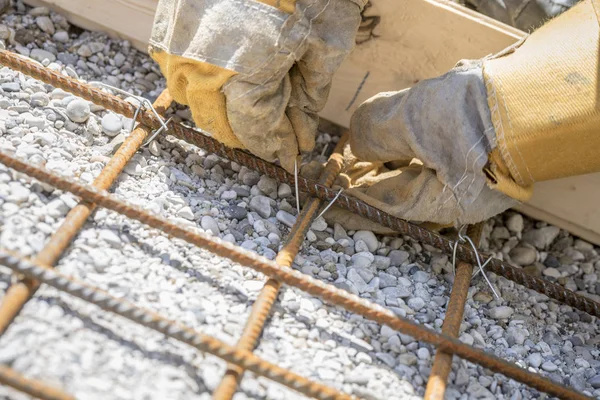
[451,150]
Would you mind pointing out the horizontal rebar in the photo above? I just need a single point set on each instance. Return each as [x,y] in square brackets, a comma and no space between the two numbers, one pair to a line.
[12,378]
[169,328]
[315,189]
[294,278]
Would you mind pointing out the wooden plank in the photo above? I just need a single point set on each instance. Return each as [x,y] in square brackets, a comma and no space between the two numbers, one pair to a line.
[569,203]
[416,39]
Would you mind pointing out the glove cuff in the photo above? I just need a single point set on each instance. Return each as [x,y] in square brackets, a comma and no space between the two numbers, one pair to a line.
[542,95]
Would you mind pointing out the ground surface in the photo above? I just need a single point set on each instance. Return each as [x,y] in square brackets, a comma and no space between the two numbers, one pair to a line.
[94,355]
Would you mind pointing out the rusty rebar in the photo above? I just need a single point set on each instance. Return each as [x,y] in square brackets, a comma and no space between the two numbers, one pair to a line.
[169,328]
[313,188]
[20,292]
[267,296]
[442,363]
[12,378]
[294,278]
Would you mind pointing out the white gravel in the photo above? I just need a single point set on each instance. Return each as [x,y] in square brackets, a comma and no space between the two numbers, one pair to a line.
[93,355]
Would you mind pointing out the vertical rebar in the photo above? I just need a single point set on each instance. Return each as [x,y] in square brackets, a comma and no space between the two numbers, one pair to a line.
[442,363]
[267,296]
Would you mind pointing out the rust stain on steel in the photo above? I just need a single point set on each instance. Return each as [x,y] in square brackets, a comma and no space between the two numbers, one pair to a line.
[169,328]
[313,188]
[442,363]
[294,278]
[19,293]
[12,378]
[267,296]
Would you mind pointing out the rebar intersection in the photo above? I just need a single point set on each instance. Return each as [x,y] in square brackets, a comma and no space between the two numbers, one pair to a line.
[95,197]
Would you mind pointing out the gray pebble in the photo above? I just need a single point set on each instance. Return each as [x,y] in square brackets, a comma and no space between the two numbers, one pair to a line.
[111,124]
[523,256]
[110,237]
[421,276]
[515,223]
[416,303]
[61,36]
[261,205]
[268,186]
[398,257]
[423,353]
[541,238]
[285,218]
[41,55]
[595,381]
[549,366]
[407,359]
[284,191]
[119,59]
[45,24]
[387,359]
[535,360]
[78,110]
[235,212]
[186,212]
[11,86]
[208,223]
[39,99]
[363,259]
[501,312]
[368,237]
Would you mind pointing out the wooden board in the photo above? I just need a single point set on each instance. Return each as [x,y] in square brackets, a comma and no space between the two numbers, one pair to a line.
[415,40]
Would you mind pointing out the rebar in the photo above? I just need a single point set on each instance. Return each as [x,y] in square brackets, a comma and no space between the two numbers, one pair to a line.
[172,329]
[294,278]
[21,291]
[442,363]
[12,378]
[267,296]
[313,188]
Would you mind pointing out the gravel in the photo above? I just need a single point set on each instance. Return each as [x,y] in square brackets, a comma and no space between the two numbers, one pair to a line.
[93,355]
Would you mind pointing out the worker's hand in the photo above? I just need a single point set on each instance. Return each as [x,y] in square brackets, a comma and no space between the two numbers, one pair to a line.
[487,130]
[255,73]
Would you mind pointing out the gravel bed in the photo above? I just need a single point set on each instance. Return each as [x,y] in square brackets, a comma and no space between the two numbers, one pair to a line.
[94,355]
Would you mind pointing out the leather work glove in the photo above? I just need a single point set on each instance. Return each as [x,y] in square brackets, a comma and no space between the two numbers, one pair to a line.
[255,73]
[525,15]
[486,130]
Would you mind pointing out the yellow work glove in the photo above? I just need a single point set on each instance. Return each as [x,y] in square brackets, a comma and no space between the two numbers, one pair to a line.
[485,131]
[255,73]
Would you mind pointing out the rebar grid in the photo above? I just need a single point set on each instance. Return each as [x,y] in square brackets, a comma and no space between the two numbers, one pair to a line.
[442,363]
[20,292]
[321,191]
[12,378]
[172,329]
[267,296]
[291,277]
[313,188]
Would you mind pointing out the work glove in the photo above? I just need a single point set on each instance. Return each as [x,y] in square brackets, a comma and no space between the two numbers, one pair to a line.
[485,131]
[255,73]
[526,15]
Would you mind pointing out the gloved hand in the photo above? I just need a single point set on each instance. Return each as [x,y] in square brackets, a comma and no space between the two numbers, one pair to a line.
[255,73]
[525,15]
[485,131]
